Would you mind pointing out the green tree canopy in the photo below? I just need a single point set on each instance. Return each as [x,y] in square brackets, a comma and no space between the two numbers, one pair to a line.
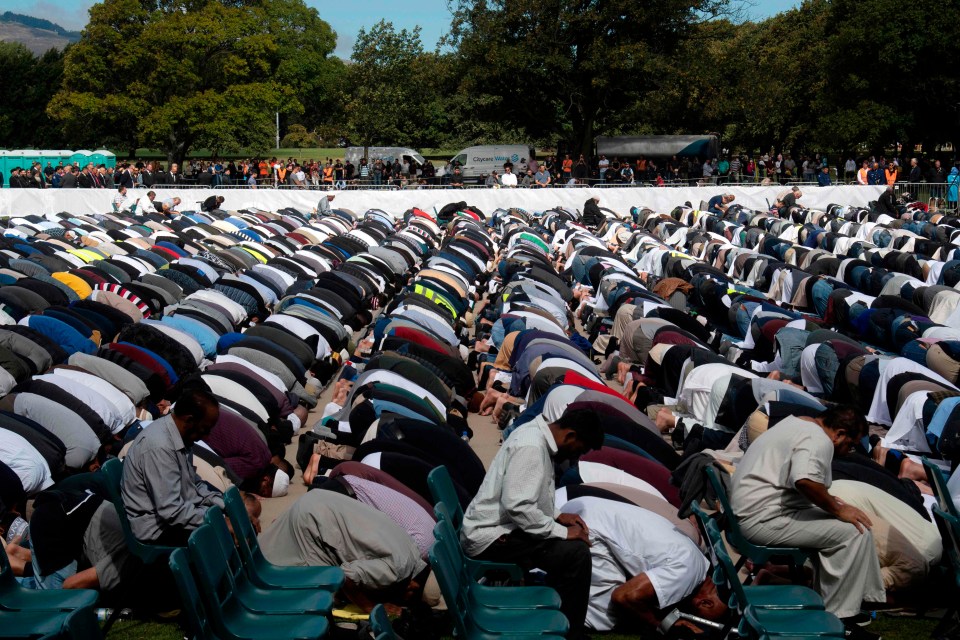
[28,83]
[177,74]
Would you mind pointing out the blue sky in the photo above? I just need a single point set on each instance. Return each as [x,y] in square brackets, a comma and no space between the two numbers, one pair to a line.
[346,18]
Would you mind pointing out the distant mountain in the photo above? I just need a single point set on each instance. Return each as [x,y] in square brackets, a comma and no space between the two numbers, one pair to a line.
[36,34]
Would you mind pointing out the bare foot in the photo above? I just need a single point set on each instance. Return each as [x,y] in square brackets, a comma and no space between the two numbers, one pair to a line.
[665,420]
[623,368]
[489,402]
[313,468]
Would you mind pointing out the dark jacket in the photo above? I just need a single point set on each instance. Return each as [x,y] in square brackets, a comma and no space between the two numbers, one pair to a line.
[68,181]
[592,216]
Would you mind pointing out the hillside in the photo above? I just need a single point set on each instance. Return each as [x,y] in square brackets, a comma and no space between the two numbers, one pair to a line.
[37,34]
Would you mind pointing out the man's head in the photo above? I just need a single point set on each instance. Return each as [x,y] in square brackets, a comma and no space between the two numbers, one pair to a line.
[728,198]
[195,414]
[122,189]
[824,169]
[913,162]
[796,192]
[844,425]
[577,431]
[705,602]
[275,480]
[151,194]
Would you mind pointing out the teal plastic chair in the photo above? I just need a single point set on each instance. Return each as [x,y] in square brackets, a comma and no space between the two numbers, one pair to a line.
[792,597]
[949,527]
[217,576]
[794,557]
[148,553]
[13,597]
[791,624]
[210,620]
[443,492]
[79,624]
[31,624]
[940,490]
[478,569]
[481,623]
[260,570]
[481,595]
[380,624]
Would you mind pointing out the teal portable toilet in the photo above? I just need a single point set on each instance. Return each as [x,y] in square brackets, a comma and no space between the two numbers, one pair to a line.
[14,159]
[4,169]
[28,157]
[81,157]
[104,157]
[64,156]
[51,156]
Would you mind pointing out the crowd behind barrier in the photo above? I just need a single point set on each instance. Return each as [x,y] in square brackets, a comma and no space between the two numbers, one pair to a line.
[633,355]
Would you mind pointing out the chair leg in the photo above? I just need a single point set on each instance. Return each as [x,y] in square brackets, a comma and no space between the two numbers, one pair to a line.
[947,627]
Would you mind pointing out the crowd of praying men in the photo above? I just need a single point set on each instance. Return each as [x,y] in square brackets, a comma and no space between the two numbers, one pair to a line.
[619,353]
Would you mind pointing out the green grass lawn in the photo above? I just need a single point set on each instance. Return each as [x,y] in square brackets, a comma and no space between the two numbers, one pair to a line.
[890,627]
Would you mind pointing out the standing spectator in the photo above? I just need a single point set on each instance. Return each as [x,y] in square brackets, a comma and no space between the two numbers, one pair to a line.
[723,168]
[823,179]
[863,176]
[790,167]
[849,169]
[580,170]
[338,173]
[349,172]
[953,186]
[68,181]
[626,174]
[542,178]
[890,174]
[735,167]
[875,175]
[146,176]
[937,176]
[708,171]
[602,165]
[567,167]
[915,173]
[509,178]
[456,178]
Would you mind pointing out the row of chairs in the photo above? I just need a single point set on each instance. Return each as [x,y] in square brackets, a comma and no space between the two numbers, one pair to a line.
[232,592]
[481,611]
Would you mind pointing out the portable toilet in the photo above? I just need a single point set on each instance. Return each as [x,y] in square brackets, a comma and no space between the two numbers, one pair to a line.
[49,155]
[28,157]
[64,156]
[14,159]
[81,157]
[104,157]
[4,169]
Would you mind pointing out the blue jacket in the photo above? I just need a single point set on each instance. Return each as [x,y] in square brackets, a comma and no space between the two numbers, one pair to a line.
[823,179]
[875,176]
[953,182]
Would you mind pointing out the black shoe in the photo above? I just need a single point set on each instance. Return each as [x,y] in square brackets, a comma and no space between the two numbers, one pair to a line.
[855,632]
[861,620]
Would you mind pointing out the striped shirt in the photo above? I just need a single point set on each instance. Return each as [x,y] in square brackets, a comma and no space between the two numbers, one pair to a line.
[517,492]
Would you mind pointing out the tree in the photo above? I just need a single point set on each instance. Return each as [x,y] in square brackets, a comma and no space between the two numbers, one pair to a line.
[568,67]
[299,138]
[28,83]
[180,74]
[380,99]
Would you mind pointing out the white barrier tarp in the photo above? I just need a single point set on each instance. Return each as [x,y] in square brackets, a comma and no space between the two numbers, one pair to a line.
[661,199]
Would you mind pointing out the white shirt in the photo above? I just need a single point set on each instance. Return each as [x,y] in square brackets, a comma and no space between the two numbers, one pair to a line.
[508,179]
[145,205]
[100,405]
[627,541]
[125,409]
[25,461]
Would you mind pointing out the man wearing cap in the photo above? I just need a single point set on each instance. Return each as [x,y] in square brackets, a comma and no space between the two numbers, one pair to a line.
[513,517]
[323,207]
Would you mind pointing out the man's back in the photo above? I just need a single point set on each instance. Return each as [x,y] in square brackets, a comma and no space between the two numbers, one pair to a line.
[765,480]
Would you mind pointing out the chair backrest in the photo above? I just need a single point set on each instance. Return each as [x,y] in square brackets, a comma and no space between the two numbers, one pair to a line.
[79,624]
[190,595]
[449,583]
[380,624]
[215,520]
[212,571]
[727,571]
[246,535]
[940,490]
[444,492]
[149,554]
[733,526]
[950,533]
[448,542]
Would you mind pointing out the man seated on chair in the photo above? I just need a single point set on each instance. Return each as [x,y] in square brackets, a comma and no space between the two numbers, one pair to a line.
[780,494]
[513,517]
[163,497]
[643,566]
[380,561]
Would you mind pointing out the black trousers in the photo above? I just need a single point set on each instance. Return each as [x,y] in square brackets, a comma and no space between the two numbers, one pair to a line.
[567,563]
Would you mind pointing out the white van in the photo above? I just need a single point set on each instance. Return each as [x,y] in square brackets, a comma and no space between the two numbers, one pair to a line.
[402,154]
[481,160]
